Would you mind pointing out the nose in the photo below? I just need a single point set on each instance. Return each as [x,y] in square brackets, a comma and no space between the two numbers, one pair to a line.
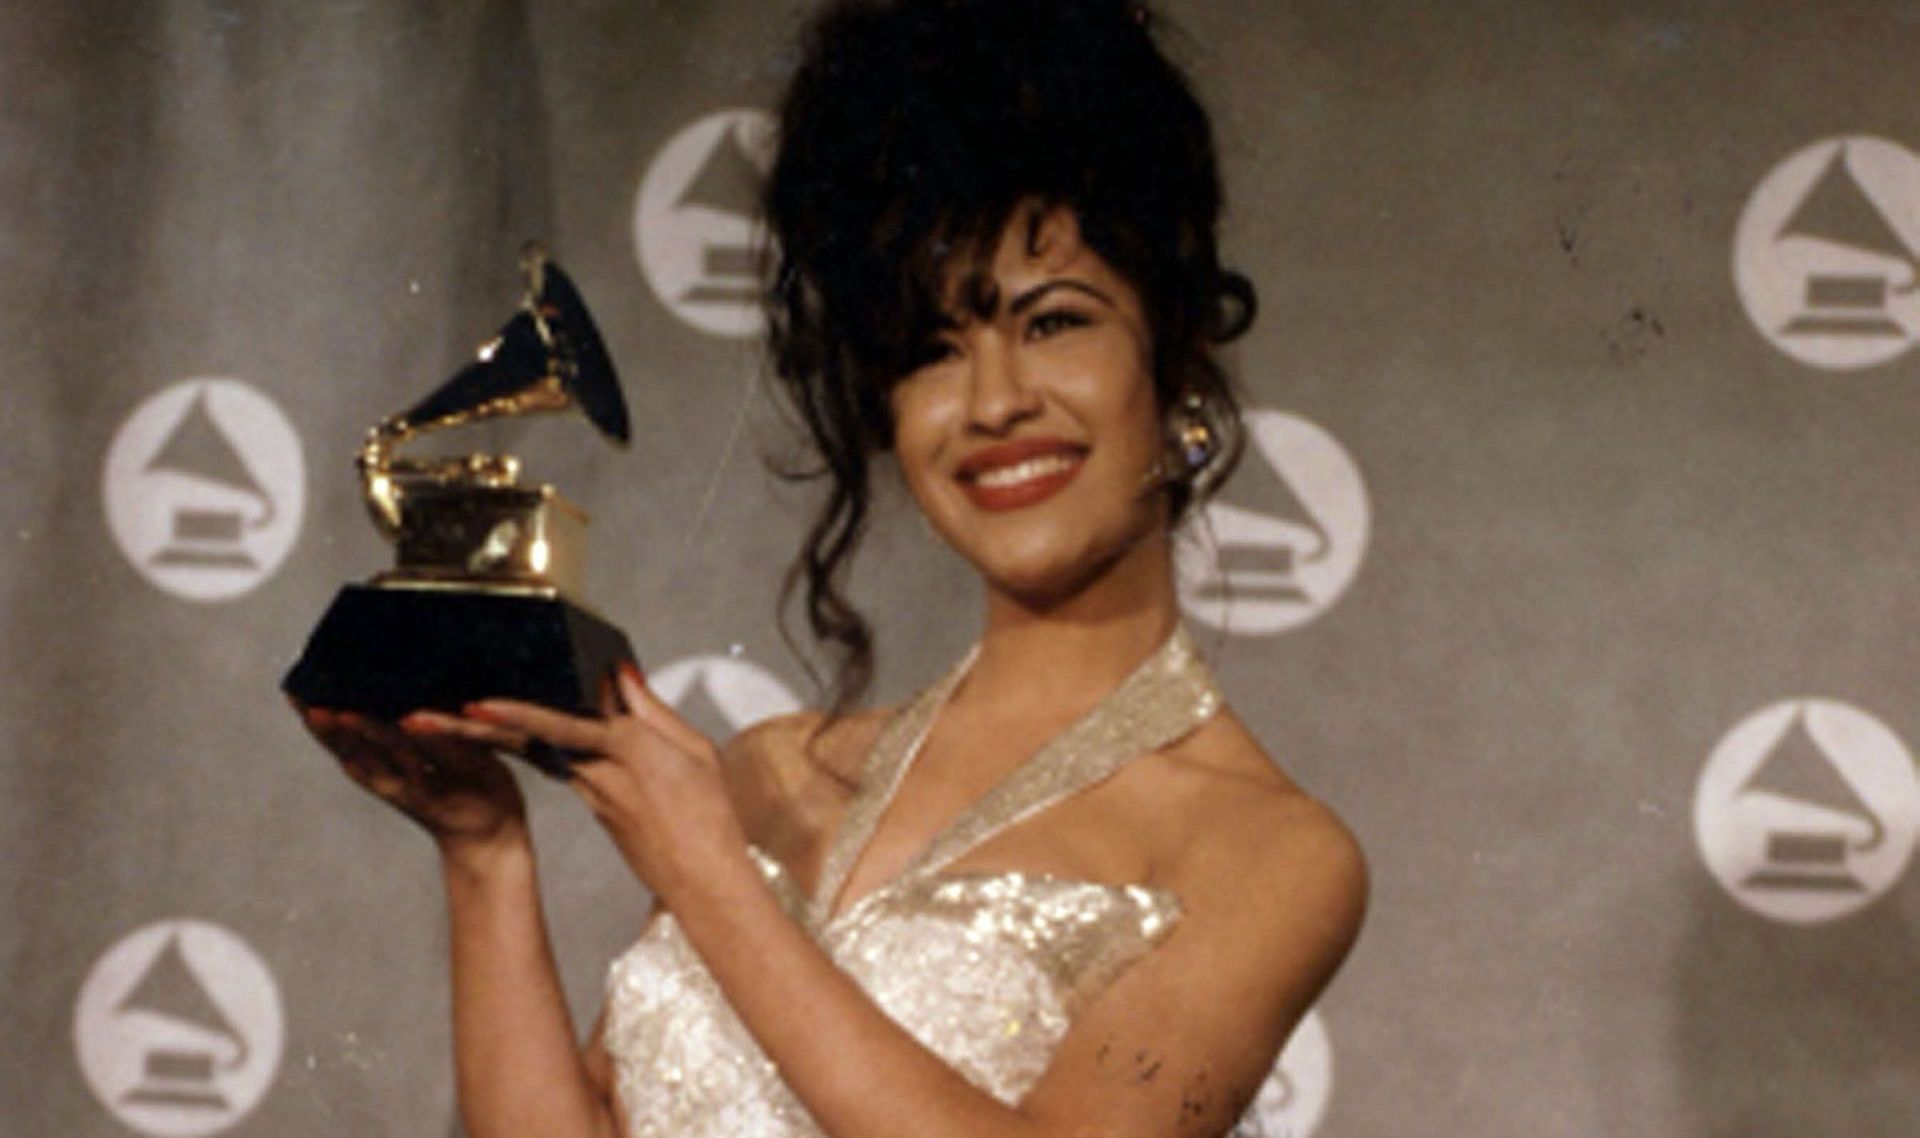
[1001,392]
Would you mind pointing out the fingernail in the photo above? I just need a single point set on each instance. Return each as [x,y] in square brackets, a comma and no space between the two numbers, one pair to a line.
[480,711]
[633,672]
[422,723]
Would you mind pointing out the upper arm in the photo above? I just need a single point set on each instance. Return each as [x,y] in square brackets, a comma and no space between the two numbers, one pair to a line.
[1181,1041]
[764,770]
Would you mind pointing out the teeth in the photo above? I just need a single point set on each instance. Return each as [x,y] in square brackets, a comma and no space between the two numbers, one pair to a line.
[1025,471]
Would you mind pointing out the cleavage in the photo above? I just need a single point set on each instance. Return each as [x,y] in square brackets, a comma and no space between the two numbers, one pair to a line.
[933,809]
[1063,840]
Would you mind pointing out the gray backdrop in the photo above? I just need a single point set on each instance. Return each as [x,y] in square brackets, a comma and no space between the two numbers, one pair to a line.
[1605,518]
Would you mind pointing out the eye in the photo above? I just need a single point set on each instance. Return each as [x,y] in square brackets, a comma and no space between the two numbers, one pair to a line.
[1054,321]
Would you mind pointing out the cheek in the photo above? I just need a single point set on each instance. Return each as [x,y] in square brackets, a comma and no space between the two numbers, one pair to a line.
[1143,408]
[917,438]
[919,482]
[1120,398]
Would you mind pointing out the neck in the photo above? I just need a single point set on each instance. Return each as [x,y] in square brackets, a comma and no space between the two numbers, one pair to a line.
[1078,648]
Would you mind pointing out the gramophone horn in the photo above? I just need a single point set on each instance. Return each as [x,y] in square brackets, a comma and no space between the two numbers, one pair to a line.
[587,373]
[551,340]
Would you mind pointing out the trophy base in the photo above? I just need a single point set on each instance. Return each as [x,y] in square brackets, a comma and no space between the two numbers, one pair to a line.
[386,650]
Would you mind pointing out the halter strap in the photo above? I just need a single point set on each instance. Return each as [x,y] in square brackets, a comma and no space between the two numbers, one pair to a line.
[1169,694]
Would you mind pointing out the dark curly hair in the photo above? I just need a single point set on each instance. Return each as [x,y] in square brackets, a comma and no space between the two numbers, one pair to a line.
[913,132]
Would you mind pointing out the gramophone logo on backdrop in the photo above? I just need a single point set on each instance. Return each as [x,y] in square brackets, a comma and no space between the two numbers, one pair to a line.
[1827,254]
[722,694]
[1285,538]
[205,486]
[1808,810]
[1293,1100]
[695,223]
[178,1029]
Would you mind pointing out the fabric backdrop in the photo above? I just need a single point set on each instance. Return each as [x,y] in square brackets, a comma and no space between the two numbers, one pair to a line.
[1573,561]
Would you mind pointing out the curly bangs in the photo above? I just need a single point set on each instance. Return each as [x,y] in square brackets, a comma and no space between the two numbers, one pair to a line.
[912,134]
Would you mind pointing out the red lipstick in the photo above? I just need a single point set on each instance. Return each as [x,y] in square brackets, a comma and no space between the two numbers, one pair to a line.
[1019,473]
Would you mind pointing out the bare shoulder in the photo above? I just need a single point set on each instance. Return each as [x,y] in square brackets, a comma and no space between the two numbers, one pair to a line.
[1254,841]
[784,772]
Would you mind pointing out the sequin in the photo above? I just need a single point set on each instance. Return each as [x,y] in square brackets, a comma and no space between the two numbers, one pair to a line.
[986,970]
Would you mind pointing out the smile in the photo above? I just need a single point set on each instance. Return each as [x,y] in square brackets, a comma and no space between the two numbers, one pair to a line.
[1020,474]
[1027,471]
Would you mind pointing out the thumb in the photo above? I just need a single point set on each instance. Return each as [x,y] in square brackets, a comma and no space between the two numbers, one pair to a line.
[642,704]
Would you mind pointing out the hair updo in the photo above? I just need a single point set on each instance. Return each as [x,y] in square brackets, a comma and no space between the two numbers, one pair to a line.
[913,132]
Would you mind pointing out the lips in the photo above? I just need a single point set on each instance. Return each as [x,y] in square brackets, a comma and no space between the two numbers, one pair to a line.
[1019,473]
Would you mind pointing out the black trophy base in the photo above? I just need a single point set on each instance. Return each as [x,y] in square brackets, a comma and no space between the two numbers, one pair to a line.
[385,651]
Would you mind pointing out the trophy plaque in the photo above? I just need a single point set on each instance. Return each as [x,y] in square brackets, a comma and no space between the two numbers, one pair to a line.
[483,599]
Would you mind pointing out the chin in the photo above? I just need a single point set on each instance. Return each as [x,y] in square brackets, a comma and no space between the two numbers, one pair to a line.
[1050,556]
[1040,592]
[1046,580]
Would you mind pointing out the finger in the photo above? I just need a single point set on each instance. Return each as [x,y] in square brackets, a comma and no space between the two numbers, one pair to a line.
[453,751]
[424,725]
[630,686]
[653,711]
[368,764]
[396,752]
[586,782]
[557,762]
[610,702]
[346,744]
[359,768]
[433,726]
[325,726]
[570,732]
[385,736]
[426,721]
[453,767]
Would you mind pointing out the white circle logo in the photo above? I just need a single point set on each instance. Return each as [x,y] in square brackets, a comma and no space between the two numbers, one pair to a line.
[722,694]
[205,486]
[1291,1103]
[178,1029]
[1294,541]
[1827,254]
[1807,810]
[696,221]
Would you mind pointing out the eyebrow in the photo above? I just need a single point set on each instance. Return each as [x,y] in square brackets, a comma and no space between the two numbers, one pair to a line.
[1035,294]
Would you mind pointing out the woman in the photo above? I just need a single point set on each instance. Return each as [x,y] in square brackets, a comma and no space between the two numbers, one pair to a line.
[1061,891]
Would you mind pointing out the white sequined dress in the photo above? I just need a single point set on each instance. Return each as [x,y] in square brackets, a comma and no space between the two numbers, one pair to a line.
[985,970]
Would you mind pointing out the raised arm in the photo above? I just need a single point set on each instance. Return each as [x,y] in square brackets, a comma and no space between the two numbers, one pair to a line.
[1273,892]
[519,1068]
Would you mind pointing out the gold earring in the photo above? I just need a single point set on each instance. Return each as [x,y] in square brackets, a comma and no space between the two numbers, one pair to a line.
[1191,437]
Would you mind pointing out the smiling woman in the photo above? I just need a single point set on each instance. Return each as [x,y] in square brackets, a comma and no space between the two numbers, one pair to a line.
[1030,436]
[917,141]
[1061,891]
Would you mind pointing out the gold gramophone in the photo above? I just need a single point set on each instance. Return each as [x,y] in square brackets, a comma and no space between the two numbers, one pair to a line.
[483,599]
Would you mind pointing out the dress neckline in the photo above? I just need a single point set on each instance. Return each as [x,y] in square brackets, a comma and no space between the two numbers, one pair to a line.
[1166,696]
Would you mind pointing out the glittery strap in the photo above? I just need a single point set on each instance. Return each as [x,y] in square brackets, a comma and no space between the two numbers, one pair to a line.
[1167,696]
[893,751]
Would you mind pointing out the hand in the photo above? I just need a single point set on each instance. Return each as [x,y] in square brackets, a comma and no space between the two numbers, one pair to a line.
[430,769]
[650,778]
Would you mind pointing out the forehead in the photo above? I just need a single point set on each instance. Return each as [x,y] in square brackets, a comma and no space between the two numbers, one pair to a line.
[1036,245]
